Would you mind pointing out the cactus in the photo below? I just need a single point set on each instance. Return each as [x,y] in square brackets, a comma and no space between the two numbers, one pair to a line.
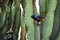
[36,27]
[48,24]
[16,24]
[28,20]
[10,17]
[56,23]
[23,26]
[58,38]
[2,19]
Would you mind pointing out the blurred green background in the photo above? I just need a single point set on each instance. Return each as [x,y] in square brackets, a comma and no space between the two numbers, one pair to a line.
[12,18]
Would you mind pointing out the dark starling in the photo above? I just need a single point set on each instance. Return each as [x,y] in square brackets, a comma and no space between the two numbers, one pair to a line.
[38,18]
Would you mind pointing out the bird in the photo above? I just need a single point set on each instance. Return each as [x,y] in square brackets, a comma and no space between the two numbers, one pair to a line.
[38,18]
